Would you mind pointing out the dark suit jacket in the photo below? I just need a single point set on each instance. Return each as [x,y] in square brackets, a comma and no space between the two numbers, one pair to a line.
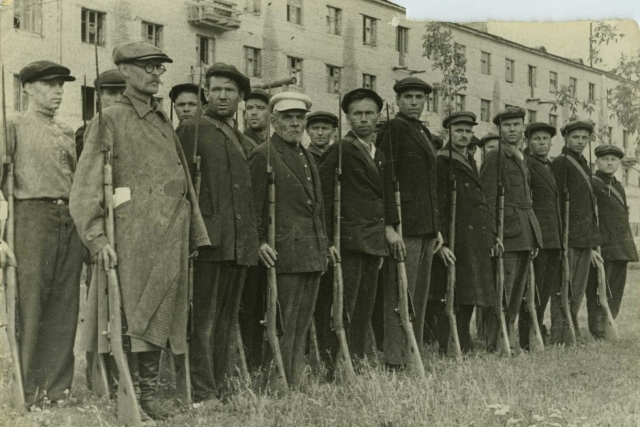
[613,212]
[301,240]
[226,197]
[583,229]
[253,138]
[546,202]
[521,228]
[362,201]
[414,162]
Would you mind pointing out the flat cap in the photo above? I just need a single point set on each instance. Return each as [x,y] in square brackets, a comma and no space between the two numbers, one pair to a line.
[459,117]
[44,70]
[475,142]
[322,116]
[358,94]
[576,124]
[539,126]
[186,87]
[258,94]
[110,78]
[488,137]
[509,113]
[412,83]
[603,150]
[138,51]
[229,71]
[287,101]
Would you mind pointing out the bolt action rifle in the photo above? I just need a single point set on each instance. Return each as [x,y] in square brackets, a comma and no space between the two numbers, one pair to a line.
[11,285]
[344,367]
[276,83]
[413,351]
[536,344]
[127,404]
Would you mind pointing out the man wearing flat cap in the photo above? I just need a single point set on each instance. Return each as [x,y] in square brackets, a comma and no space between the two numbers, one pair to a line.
[184,98]
[474,234]
[487,143]
[362,232]
[546,205]
[522,236]
[157,221]
[226,203]
[300,255]
[572,171]
[617,248]
[321,127]
[256,116]
[414,162]
[50,254]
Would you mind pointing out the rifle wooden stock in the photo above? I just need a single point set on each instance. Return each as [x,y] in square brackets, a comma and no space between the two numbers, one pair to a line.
[536,344]
[503,346]
[568,330]
[314,350]
[610,329]
[453,344]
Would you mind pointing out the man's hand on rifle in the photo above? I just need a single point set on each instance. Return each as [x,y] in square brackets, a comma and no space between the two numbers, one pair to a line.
[396,245]
[498,247]
[596,258]
[534,253]
[439,242]
[267,255]
[107,258]
[6,254]
[447,256]
[334,255]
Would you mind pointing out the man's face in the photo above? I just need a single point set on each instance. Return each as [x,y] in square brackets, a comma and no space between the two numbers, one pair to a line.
[540,143]
[491,144]
[110,96]
[289,124]
[411,103]
[223,95]
[45,94]
[186,105]
[320,133]
[608,164]
[512,130]
[461,134]
[139,80]
[577,140]
[363,117]
[256,114]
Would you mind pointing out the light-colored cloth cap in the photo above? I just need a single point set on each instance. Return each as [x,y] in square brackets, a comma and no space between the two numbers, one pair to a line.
[286,101]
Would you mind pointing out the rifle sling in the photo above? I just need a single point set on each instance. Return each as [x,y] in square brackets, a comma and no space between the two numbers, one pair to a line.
[229,132]
[613,190]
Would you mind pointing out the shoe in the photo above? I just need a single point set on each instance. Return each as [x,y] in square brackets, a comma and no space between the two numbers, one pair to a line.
[153,409]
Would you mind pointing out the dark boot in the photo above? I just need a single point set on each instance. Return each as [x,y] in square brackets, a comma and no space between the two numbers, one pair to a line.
[149,376]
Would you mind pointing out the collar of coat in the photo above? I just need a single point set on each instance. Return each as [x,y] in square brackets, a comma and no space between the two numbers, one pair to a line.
[455,155]
[141,107]
[545,161]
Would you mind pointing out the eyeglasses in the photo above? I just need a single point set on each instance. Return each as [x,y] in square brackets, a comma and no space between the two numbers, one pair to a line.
[149,68]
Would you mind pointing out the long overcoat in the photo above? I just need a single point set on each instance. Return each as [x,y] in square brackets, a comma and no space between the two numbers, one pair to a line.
[473,234]
[546,202]
[154,230]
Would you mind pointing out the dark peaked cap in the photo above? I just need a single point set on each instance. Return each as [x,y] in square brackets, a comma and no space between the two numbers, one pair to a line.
[368,93]
[539,126]
[459,117]
[576,124]
[603,150]
[488,137]
[44,70]
[186,87]
[138,51]
[110,78]
[322,116]
[225,70]
[409,83]
[509,113]
[258,94]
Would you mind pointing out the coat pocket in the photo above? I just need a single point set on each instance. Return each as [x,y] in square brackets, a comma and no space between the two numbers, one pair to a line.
[511,222]
[213,223]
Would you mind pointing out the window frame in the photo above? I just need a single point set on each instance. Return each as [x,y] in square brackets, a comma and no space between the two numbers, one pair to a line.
[85,26]
[256,60]
[294,12]
[553,120]
[485,64]
[335,21]
[510,72]
[373,30]
[553,82]
[211,49]
[460,102]
[20,97]
[573,86]
[592,92]
[372,81]
[254,7]
[332,80]
[32,10]
[294,66]
[158,33]
[532,116]
[485,113]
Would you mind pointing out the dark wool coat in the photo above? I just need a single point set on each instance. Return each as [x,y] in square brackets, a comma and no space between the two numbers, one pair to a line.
[546,202]
[154,231]
[301,239]
[617,244]
[362,201]
[226,197]
[474,234]
[414,163]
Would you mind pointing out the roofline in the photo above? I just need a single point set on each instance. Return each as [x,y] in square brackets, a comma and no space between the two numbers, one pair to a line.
[391,5]
[532,50]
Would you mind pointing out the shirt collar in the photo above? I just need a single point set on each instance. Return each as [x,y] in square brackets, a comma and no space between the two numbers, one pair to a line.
[605,177]
[140,105]
[369,146]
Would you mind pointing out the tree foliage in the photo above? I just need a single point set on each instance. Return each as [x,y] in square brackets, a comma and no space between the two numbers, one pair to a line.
[625,97]
[603,34]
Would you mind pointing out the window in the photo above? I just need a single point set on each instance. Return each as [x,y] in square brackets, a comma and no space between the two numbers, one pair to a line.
[334,20]
[333,79]
[610,134]
[369,25]
[205,49]
[432,101]
[553,120]
[294,11]
[485,63]
[402,44]
[295,69]
[152,34]
[20,98]
[592,91]
[253,6]
[253,58]
[510,66]
[532,78]
[460,54]
[553,82]
[485,110]
[88,97]
[92,27]
[27,15]
[625,140]
[460,102]
[533,115]
[369,81]
[573,84]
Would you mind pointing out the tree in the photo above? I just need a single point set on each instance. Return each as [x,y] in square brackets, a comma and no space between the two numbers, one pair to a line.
[625,97]
[603,33]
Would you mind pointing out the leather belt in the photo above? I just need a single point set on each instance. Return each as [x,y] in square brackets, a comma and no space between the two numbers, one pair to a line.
[59,202]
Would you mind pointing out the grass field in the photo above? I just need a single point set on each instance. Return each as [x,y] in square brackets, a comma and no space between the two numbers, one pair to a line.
[593,384]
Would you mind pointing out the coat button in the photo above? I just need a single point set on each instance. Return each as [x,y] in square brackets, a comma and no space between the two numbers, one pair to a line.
[236,186]
[484,227]
[471,227]
[239,216]
[309,201]
[466,184]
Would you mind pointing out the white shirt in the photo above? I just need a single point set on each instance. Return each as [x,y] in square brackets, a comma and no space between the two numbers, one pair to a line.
[369,146]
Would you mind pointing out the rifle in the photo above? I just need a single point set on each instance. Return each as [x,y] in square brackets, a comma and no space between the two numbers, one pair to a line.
[343,357]
[415,361]
[275,83]
[503,346]
[11,285]
[536,344]
[453,345]
[278,380]
[127,404]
